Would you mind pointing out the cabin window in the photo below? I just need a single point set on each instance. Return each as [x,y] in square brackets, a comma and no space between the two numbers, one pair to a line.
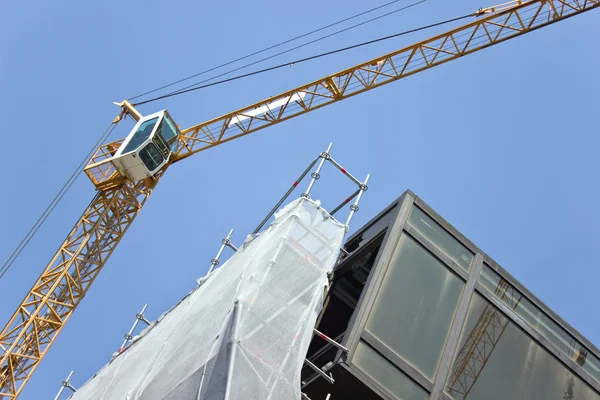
[151,157]
[168,133]
[141,135]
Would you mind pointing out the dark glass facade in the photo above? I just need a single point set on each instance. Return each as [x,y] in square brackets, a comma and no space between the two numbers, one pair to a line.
[425,314]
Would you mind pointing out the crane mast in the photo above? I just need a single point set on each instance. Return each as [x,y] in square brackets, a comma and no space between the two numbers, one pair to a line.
[51,301]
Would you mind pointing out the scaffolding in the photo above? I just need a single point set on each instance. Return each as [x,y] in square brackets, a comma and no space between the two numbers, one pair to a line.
[65,385]
[243,333]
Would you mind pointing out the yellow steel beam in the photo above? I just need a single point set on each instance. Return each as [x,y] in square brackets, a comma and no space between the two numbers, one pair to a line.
[49,304]
[500,7]
[495,25]
[63,284]
[127,108]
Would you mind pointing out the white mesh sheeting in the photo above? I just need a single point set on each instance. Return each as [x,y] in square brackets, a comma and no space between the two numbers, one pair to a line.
[244,332]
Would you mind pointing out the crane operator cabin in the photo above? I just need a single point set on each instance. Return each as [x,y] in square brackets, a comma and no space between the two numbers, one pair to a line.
[148,147]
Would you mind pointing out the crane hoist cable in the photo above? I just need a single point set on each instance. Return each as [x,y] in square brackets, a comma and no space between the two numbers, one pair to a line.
[415,64]
[55,201]
[300,46]
[69,183]
[301,60]
[272,47]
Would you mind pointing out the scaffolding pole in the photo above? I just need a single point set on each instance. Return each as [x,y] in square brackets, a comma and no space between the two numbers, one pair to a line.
[65,385]
[128,336]
[226,242]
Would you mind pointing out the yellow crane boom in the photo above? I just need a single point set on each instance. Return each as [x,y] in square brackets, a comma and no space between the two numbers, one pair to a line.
[51,301]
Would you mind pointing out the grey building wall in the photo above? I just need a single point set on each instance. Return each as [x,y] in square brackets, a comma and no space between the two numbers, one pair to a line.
[439,319]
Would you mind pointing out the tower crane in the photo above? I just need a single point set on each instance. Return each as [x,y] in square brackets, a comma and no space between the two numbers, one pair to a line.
[125,172]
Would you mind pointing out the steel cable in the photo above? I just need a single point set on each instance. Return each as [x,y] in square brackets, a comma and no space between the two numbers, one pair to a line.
[273,47]
[55,201]
[328,53]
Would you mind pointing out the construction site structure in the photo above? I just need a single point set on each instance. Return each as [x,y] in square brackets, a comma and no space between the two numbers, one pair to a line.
[495,339]
[126,172]
[243,333]
[423,313]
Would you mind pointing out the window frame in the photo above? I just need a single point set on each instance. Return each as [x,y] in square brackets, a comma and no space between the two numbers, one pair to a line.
[398,226]
[398,360]
[528,331]
[538,337]
[149,118]
[414,231]
[158,152]
[392,358]
[516,284]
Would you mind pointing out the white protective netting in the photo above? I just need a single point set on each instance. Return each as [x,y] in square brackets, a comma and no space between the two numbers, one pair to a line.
[244,332]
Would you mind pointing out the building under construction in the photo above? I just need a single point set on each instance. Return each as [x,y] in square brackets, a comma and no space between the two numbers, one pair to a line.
[423,313]
[412,310]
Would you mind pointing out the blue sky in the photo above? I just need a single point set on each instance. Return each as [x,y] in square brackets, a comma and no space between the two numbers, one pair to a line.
[502,143]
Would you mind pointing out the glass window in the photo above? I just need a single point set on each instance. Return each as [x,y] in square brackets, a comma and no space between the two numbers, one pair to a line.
[496,360]
[141,135]
[538,320]
[440,238]
[388,376]
[151,157]
[162,146]
[169,133]
[415,306]
[166,137]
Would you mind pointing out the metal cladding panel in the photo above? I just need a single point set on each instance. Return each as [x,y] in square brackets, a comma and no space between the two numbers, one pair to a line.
[244,332]
[132,166]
